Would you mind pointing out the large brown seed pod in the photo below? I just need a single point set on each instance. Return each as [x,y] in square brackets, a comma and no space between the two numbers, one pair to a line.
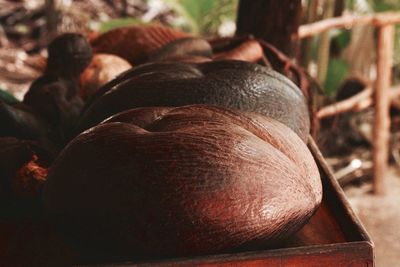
[54,95]
[232,84]
[68,55]
[136,43]
[163,182]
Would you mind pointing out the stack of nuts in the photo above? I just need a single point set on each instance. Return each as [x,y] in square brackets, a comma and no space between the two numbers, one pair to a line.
[186,153]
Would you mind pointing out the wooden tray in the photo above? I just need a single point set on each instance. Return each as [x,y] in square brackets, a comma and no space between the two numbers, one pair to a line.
[333,237]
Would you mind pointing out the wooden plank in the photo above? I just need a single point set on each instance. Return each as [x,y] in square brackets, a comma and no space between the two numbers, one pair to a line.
[344,214]
[381,129]
[356,254]
[322,229]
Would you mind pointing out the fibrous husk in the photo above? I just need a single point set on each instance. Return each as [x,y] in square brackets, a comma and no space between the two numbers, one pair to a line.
[136,43]
[166,182]
[102,69]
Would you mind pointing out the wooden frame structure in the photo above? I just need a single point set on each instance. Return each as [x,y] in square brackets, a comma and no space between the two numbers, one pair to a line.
[381,93]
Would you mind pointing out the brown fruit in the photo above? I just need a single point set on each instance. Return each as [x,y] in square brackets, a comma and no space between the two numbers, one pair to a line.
[188,59]
[227,83]
[68,55]
[250,51]
[21,121]
[57,101]
[102,69]
[54,96]
[163,182]
[183,47]
[135,43]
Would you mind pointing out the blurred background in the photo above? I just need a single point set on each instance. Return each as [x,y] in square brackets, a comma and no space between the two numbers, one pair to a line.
[342,63]
[27,26]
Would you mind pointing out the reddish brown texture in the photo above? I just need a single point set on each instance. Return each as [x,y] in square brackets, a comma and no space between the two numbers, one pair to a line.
[136,43]
[333,236]
[32,242]
[102,69]
[14,153]
[141,117]
[248,51]
[191,180]
[91,36]
[322,222]
[29,179]
[189,59]
[23,169]
[183,47]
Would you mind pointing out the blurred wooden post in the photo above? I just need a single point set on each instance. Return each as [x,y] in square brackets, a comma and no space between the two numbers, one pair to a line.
[51,15]
[273,21]
[306,44]
[324,45]
[381,129]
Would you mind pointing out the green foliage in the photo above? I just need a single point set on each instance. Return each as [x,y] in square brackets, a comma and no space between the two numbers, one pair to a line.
[385,5]
[397,46]
[116,23]
[349,4]
[8,97]
[338,68]
[337,71]
[203,16]
[200,17]
[342,38]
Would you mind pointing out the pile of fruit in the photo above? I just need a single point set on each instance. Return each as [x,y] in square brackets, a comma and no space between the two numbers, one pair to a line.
[144,142]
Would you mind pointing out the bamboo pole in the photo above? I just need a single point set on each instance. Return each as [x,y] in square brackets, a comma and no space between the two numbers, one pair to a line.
[357,102]
[381,129]
[51,15]
[306,45]
[324,45]
[354,103]
[348,21]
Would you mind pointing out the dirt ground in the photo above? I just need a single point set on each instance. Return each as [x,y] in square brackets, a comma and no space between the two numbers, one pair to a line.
[381,217]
